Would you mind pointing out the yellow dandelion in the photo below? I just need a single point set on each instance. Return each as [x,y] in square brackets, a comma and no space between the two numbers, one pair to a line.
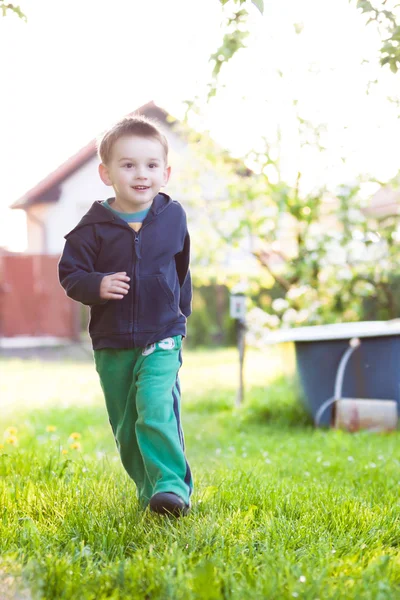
[75,446]
[75,436]
[64,451]
[1,446]
[12,440]
[51,428]
[11,431]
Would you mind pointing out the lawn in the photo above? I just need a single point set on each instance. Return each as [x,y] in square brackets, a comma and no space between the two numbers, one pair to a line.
[280,510]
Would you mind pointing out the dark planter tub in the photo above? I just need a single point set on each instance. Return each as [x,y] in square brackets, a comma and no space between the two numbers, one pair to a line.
[372,371]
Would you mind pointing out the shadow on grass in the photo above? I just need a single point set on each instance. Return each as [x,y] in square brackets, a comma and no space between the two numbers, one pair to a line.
[281,403]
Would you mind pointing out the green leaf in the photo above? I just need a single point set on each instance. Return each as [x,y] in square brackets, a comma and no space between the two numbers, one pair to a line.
[365,5]
[16,9]
[19,12]
[259,4]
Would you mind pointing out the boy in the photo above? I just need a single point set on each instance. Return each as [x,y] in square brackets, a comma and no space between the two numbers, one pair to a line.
[128,259]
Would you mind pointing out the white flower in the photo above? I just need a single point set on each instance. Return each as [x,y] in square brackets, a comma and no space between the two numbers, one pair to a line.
[296,292]
[290,316]
[344,274]
[280,304]
[302,316]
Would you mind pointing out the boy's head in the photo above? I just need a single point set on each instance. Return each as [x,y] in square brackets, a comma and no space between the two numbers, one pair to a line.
[134,155]
[136,125]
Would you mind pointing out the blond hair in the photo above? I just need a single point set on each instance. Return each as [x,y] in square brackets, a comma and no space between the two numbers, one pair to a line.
[138,125]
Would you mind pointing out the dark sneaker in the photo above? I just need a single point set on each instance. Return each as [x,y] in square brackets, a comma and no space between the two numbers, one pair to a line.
[168,503]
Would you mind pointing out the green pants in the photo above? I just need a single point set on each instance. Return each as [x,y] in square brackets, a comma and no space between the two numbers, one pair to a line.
[142,393]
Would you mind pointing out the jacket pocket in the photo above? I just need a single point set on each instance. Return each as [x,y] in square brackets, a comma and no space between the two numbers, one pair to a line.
[111,317]
[157,303]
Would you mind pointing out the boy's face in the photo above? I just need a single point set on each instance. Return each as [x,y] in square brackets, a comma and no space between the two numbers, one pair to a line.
[137,170]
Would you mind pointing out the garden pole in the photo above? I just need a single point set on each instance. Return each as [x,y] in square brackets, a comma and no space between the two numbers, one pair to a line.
[238,312]
[241,336]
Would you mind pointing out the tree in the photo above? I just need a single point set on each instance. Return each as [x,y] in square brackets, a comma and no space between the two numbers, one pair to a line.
[387,21]
[333,265]
[234,37]
[323,256]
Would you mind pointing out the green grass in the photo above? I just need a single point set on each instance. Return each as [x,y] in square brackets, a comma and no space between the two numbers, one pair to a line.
[280,510]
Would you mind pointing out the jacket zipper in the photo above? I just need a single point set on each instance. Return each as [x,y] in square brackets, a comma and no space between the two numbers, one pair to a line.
[136,281]
[138,256]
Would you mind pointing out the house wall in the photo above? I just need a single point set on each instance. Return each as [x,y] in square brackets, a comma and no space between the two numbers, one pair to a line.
[78,192]
[36,229]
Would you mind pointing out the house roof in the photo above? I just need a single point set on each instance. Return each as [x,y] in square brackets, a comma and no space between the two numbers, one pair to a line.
[384,203]
[49,190]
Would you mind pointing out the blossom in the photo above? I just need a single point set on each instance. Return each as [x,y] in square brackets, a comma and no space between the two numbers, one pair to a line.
[12,440]
[75,436]
[296,292]
[280,304]
[51,428]
[75,446]
[10,431]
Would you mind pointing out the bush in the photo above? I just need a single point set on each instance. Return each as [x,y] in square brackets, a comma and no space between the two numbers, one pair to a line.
[210,323]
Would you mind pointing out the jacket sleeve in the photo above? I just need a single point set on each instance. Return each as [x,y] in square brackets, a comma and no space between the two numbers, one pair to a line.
[76,270]
[182,261]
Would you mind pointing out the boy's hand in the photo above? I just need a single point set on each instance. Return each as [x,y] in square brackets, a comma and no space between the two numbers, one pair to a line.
[114,287]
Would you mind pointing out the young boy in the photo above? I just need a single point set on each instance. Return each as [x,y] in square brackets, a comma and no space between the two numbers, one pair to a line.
[128,259]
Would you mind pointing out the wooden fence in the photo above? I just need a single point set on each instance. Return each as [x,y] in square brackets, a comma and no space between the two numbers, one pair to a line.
[32,302]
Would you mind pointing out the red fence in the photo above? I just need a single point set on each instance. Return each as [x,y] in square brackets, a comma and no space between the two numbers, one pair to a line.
[32,302]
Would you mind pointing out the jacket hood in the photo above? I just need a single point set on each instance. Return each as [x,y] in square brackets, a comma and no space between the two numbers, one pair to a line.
[98,213]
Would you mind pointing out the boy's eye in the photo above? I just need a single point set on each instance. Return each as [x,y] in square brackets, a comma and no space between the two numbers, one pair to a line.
[129,165]
[152,165]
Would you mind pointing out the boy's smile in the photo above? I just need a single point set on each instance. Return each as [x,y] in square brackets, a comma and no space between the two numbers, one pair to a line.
[137,170]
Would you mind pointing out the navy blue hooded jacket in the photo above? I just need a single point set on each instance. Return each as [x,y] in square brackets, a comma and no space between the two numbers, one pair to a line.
[157,261]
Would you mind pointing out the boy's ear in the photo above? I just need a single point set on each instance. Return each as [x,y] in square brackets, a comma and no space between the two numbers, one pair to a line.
[104,176]
[167,174]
